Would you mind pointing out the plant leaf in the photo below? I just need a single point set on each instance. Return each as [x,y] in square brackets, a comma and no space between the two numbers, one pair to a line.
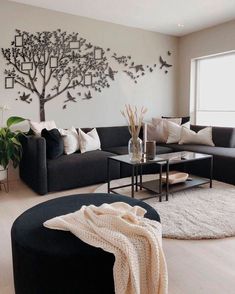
[13,120]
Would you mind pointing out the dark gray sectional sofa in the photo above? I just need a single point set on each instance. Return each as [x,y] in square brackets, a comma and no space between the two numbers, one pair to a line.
[223,153]
[77,170]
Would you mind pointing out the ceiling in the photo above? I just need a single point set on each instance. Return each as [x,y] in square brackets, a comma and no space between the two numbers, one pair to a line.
[173,17]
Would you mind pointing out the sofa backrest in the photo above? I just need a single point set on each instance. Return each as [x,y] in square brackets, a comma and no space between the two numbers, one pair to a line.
[222,136]
[113,136]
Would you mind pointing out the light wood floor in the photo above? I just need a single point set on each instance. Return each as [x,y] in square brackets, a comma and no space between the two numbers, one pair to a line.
[205,267]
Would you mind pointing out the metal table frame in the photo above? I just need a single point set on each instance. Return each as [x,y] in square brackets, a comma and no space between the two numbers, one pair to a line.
[137,173]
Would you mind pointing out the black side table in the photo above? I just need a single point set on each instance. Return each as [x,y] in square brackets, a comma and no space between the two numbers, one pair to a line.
[136,168]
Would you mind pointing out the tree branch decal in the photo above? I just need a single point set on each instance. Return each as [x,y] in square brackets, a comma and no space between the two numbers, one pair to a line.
[49,63]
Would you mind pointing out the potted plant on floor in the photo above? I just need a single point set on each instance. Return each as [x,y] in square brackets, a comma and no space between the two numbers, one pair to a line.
[10,146]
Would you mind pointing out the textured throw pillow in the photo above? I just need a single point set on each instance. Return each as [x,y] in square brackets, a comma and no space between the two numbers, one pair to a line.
[37,127]
[54,143]
[203,137]
[158,130]
[89,141]
[70,139]
[174,132]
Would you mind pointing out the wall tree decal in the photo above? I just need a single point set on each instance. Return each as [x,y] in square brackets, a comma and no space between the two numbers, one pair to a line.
[48,64]
[73,60]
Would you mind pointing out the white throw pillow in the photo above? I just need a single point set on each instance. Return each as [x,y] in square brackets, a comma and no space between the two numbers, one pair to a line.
[174,132]
[70,139]
[89,141]
[37,127]
[203,137]
[158,130]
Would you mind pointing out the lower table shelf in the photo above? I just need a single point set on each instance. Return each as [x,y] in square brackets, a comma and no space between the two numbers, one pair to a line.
[195,181]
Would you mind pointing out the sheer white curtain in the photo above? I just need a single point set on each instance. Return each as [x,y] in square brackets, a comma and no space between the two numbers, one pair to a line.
[215,90]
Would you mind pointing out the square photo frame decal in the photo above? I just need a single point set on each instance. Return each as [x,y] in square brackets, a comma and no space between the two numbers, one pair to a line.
[98,53]
[26,66]
[9,82]
[19,41]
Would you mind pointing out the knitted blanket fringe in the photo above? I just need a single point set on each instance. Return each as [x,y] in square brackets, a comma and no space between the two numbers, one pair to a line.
[135,241]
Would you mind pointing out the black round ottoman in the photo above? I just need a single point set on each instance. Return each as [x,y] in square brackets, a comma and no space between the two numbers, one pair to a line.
[52,262]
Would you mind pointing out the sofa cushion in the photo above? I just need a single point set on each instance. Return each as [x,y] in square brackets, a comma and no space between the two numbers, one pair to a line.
[124,150]
[222,137]
[202,137]
[113,136]
[71,140]
[89,141]
[37,127]
[79,169]
[54,143]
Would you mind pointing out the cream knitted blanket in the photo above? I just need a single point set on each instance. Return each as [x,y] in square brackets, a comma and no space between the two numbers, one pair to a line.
[135,241]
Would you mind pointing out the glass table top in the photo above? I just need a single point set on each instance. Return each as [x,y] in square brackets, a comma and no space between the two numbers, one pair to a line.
[126,159]
[172,157]
[183,156]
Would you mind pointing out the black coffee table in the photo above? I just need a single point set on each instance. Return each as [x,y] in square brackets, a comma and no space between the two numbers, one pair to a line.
[136,168]
[163,160]
[184,157]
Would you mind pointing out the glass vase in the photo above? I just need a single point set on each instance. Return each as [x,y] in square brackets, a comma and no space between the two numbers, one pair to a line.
[135,149]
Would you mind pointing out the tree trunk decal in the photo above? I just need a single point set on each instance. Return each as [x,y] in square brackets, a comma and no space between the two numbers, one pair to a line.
[48,64]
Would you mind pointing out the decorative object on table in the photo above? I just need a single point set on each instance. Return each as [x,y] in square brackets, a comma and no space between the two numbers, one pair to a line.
[10,147]
[48,64]
[175,177]
[150,150]
[134,119]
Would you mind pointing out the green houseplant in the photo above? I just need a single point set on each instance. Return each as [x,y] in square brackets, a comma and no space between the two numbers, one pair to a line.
[10,146]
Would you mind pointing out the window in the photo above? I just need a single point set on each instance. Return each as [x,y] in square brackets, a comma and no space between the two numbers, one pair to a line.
[215,90]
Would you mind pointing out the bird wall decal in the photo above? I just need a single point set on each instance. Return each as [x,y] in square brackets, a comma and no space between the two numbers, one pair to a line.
[138,67]
[25,98]
[70,98]
[87,96]
[164,63]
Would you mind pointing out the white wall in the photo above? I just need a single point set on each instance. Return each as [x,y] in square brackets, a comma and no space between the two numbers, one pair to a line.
[210,41]
[157,91]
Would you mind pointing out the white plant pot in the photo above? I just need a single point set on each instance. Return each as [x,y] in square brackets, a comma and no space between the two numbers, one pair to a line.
[3,173]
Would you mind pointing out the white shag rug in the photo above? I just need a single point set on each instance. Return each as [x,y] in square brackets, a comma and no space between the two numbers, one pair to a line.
[198,213]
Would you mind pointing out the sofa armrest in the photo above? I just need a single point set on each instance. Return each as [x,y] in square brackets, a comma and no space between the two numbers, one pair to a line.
[33,166]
